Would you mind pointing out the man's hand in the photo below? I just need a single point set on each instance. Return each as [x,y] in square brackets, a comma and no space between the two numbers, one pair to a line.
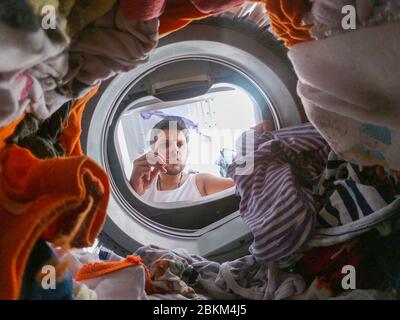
[145,169]
[265,126]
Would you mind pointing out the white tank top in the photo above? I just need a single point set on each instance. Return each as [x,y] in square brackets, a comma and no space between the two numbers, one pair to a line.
[188,191]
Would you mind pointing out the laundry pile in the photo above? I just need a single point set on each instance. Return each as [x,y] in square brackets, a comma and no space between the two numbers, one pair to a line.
[317,199]
[347,79]
[54,55]
[153,273]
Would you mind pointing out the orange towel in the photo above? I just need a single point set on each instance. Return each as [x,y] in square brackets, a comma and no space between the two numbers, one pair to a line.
[286,16]
[8,130]
[177,15]
[98,269]
[62,200]
[70,137]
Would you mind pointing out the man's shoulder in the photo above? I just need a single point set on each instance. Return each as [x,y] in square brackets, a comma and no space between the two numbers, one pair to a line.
[204,176]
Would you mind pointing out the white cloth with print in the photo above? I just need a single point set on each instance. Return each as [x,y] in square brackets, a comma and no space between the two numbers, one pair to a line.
[349,88]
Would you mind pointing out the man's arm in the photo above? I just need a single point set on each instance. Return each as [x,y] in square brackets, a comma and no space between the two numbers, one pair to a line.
[209,184]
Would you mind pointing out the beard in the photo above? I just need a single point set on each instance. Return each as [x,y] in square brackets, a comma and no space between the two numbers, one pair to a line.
[175,169]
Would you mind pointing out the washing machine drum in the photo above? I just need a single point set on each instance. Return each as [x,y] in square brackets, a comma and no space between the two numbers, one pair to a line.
[208,58]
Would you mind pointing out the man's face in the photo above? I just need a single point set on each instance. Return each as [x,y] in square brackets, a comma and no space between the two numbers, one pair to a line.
[172,145]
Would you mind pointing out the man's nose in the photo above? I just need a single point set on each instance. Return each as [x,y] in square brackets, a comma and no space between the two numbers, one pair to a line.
[173,147]
[173,151]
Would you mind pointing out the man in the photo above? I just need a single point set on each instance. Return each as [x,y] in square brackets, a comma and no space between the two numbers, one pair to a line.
[158,175]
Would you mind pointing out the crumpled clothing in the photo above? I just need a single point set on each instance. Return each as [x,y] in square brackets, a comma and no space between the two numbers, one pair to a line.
[144,10]
[71,134]
[251,280]
[287,20]
[19,93]
[81,13]
[43,76]
[388,258]
[276,194]
[326,16]
[24,42]
[123,284]
[113,43]
[26,45]
[240,279]
[125,279]
[365,295]
[58,135]
[359,124]
[349,192]
[82,292]
[74,15]
[43,256]
[97,269]
[172,275]
[177,15]
[41,137]
[369,254]
[61,200]
[216,6]
[8,130]
[133,284]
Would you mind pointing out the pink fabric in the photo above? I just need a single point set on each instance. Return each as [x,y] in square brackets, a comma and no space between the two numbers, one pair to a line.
[144,10]
[215,6]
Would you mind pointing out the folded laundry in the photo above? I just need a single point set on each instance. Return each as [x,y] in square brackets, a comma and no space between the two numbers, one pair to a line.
[61,200]
[277,200]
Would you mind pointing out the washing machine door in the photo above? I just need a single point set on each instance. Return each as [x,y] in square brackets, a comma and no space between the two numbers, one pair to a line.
[210,58]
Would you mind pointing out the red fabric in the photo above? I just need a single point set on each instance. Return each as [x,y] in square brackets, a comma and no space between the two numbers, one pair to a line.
[62,200]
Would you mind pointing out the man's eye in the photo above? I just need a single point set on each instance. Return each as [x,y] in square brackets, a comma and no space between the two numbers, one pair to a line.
[180,144]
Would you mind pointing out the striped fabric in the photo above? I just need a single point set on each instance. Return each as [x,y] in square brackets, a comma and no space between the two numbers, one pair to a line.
[277,200]
[347,194]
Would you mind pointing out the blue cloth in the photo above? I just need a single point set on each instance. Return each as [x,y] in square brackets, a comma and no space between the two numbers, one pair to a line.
[32,289]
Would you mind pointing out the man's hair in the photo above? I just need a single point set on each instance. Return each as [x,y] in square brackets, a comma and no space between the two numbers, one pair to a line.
[164,124]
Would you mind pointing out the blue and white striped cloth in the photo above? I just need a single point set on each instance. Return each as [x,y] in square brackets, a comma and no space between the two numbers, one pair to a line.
[277,201]
[353,200]
[346,196]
